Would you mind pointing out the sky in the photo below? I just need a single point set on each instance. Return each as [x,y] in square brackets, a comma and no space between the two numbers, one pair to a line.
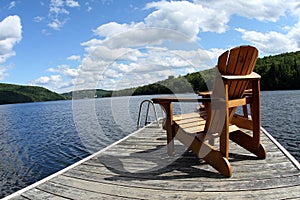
[65,45]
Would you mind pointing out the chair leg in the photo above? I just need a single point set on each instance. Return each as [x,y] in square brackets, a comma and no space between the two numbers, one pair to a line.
[246,141]
[205,151]
[168,127]
[220,163]
[245,111]
[170,142]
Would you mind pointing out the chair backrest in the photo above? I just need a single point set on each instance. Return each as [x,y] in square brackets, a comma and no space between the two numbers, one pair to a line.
[237,61]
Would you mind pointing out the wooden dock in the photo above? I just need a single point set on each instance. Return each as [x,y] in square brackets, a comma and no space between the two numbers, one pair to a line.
[137,167]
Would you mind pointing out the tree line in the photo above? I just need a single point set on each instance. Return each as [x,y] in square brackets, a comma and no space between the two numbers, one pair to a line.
[10,93]
[280,72]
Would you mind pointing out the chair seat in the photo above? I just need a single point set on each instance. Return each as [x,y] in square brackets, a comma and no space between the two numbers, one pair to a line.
[194,123]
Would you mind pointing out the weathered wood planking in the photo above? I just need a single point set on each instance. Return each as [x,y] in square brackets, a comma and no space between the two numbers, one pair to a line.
[138,168]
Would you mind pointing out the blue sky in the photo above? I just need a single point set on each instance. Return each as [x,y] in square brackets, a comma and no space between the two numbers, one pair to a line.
[113,44]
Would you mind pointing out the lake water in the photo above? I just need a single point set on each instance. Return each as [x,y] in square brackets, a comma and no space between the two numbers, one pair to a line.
[38,139]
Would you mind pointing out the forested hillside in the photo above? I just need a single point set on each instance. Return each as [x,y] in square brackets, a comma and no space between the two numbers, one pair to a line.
[10,93]
[280,72]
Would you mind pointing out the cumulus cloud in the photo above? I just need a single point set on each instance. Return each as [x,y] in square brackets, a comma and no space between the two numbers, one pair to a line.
[74,57]
[10,35]
[138,56]
[263,10]
[61,80]
[186,17]
[273,42]
[192,18]
[65,70]
[46,80]
[42,80]
[55,82]
[11,32]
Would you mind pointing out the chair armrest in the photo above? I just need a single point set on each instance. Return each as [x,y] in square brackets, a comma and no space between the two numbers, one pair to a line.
[206,93]
[165,100]
[253,75]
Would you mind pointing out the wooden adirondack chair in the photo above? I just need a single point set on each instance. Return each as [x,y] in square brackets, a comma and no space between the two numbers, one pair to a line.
[198,130]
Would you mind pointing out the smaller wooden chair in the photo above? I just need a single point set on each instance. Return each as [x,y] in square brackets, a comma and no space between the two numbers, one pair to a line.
[218,120]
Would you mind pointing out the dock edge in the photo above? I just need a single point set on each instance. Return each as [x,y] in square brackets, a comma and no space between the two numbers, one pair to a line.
[281,148]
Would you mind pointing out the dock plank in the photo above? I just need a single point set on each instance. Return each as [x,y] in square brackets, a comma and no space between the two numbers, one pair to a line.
[138,167]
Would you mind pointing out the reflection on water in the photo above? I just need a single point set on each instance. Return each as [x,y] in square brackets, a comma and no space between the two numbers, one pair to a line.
[38,139]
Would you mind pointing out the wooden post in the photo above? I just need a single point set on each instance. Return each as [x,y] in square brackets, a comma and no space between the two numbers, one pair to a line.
[224,138]
[169,127]
[256,112]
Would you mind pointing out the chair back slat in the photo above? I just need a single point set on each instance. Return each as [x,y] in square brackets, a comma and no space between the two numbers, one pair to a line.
[222,62]
[237,61]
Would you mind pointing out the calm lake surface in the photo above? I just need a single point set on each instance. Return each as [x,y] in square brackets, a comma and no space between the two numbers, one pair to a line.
[38,139]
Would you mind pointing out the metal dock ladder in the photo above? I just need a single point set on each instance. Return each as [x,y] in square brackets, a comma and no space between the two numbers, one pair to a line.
[150,102]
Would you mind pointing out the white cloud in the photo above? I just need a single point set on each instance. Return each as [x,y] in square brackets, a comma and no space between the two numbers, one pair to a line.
[57,7]
[139,56]
[56,24]
[3,72]
[107,54]
[53,82]
[10,35]
[88,6]
[57,10]
[263,10]
[65,70]
[38,19]
[112,28]
[273,42]
[295,8]
[72,3]
[186,17]
[42,80]
[12,4]
[191,18]
[11,28]
[294,33]
[74,57]
[62,80]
